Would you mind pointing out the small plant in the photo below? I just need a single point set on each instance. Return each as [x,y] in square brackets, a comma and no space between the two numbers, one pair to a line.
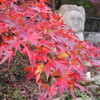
[56,56]
[79,93]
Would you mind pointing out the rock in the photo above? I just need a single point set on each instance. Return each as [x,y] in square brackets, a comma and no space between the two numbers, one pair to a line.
[94,37]
[60,98]
[93,87]
[78,99]
[57,98]
[96,79]
[90,98]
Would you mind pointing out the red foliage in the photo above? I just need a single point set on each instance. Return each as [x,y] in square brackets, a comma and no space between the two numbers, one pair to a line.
[29,26]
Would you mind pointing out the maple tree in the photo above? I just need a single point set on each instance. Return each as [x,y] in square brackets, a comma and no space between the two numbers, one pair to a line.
[30,27]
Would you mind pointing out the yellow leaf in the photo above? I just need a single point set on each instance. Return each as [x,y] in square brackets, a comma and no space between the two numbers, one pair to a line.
[63,54]
[40,68]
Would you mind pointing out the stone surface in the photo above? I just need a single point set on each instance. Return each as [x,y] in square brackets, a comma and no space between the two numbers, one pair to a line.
[96,79]
[94,37]
[93,87]
[74,18]
[84,99]
[60,98]
[90,98]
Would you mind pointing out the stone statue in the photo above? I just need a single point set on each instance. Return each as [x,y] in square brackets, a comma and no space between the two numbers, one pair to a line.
[74,18]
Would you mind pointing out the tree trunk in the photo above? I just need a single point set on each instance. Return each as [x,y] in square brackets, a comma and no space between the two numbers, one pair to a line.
[58,3]
[53,5]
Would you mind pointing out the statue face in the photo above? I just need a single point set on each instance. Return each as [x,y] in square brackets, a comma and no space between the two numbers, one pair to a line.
[75,21]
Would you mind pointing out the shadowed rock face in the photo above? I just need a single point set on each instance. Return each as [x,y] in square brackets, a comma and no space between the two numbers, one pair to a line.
[74,18]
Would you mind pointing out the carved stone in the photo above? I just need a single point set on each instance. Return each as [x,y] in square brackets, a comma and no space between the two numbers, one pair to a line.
[74,18]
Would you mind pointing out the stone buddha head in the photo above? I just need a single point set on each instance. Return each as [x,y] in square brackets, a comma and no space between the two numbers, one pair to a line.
[73,16]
